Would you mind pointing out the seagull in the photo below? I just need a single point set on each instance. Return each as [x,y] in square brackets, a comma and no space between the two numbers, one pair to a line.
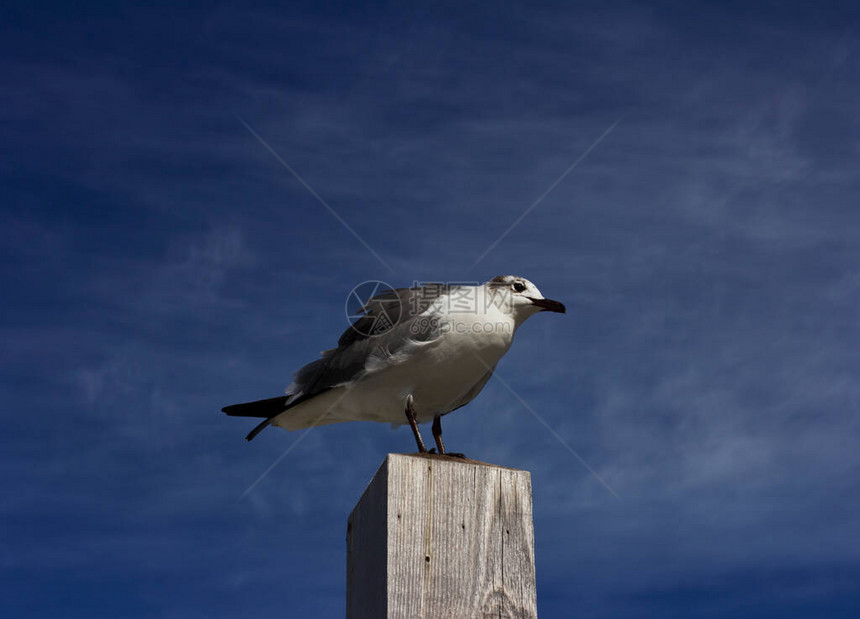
[412,356]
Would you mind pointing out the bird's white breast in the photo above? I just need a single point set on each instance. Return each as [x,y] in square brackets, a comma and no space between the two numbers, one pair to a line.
[437,373]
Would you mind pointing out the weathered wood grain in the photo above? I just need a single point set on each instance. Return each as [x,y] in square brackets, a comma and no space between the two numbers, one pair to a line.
[441,537]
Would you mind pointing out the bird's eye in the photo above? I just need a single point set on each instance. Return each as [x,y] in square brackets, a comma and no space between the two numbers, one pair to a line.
[518,286]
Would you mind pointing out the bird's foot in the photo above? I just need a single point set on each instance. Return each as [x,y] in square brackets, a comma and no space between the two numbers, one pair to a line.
[453,454]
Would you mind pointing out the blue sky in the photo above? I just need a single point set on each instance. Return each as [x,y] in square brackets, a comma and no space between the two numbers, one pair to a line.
[159,263]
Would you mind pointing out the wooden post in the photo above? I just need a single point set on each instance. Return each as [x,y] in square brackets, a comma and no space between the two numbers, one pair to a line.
[441,537]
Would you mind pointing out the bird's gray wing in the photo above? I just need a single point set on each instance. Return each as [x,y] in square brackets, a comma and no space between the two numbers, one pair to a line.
[390,323]
[392,308]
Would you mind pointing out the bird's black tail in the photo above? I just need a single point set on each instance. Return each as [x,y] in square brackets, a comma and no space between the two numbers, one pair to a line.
[268,409]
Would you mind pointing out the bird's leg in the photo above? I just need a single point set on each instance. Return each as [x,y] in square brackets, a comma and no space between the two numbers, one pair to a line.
[437,436]
[410,415]
[437,433]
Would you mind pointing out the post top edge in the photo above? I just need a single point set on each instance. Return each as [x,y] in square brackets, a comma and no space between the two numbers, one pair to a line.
[449,459]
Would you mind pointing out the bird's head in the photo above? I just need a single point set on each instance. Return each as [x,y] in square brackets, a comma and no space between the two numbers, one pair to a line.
[520,298]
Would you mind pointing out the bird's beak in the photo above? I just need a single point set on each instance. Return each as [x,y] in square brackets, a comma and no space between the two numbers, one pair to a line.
[548,305]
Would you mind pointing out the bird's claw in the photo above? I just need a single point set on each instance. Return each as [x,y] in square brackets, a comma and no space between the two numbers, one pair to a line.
[454,454]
